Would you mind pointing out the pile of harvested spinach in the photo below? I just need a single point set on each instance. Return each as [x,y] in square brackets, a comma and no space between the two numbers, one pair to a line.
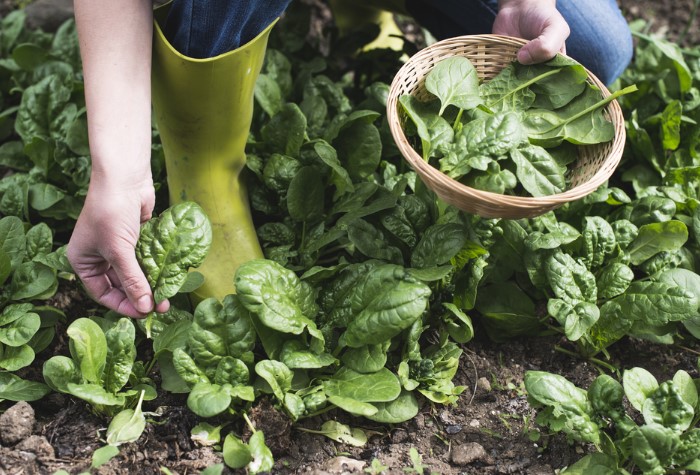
[513,134]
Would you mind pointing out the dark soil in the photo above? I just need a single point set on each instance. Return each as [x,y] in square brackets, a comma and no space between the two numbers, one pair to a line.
[490,430]
[672,19]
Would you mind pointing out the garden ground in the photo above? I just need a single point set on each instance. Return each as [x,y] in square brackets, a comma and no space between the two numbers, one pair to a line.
[490,430]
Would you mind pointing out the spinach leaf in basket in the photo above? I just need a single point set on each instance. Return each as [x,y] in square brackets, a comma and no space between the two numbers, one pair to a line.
[557,90]
[433,130]
[481,141]
[580,122]
[455,82]
[538,171]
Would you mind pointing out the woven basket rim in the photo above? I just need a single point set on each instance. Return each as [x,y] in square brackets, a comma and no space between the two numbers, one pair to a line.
[431,174]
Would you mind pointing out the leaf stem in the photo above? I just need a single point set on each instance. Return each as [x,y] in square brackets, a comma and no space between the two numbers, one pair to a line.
[310,431]
[249,423]
[150,366]
[651,39]
[690,52]
[326,261]
[333,250]
[458,120]
[303,235]
[563,350]
[690,350]
[148,323]
[643,36]
[605,365]
[591,108]
[330,407]
[593,360]
[526,84]
[9,111]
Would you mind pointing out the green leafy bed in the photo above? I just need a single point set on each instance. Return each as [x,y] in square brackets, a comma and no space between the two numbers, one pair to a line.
[370,284]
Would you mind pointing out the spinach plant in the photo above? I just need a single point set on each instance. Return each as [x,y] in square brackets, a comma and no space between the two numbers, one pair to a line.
[29,270]
[43,123]
[666,441]
[254,455]
[169,245]
[210,357]
[102,367]
[29,267]
[599,279]
[102,370]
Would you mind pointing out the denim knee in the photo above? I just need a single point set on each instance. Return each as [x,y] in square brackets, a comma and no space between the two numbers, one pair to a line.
[600,36]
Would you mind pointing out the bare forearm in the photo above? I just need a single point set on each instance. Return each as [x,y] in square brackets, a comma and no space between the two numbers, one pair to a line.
[115,44]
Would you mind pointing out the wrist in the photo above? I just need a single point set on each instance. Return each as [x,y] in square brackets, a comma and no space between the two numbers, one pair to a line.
[110,180]
[120,165]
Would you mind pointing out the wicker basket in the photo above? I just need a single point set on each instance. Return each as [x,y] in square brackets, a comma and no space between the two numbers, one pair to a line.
[489,54]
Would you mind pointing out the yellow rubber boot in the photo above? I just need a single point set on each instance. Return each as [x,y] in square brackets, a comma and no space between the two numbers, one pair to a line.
[349,15]
[203,109]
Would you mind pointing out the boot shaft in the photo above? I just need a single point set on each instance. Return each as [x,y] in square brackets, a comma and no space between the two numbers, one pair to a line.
[205,106]
[203,109]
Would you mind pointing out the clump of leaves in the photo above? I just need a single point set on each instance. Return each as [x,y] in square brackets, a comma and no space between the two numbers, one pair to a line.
[516,128]
[29,270]
[376,467]
[254,455]
[602,279]
[169,246]
[172,243]
[102,367]
[43,124]
[667,441]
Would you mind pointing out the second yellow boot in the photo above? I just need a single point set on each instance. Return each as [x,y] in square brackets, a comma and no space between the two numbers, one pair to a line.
[350,15]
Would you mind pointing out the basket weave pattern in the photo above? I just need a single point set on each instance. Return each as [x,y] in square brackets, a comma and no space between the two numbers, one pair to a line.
[489,54]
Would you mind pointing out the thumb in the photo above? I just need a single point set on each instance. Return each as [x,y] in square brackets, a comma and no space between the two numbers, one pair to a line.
[133,282]
[536,51]
[543,48]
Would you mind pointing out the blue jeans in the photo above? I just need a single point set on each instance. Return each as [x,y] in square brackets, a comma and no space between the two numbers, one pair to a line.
[600,38]
[207,28]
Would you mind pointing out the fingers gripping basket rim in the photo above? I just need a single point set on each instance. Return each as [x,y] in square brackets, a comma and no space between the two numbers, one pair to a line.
[489,54]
